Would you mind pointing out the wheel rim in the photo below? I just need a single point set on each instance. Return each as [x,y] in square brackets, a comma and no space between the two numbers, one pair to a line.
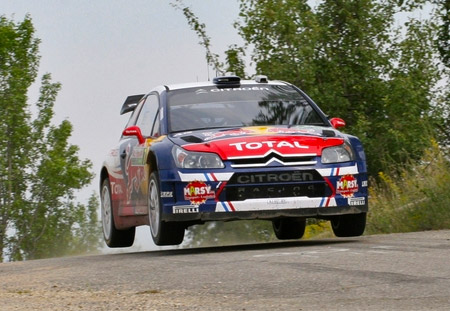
[106,212]
[153,205]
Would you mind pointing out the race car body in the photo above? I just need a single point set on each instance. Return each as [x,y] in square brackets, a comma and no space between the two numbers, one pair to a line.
[229,150]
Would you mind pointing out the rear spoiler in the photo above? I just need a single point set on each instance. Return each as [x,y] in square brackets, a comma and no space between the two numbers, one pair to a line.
[131,103]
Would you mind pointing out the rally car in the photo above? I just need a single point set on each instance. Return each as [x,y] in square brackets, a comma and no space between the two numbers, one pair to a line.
[230,149]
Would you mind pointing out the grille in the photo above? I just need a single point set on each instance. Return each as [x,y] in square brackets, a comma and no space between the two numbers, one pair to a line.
[278,184]
[240,193]
[275,177]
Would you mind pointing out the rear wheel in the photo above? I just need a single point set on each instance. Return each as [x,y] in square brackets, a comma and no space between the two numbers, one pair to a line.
[112,236]
[349,225]
[289,228]
[163,233]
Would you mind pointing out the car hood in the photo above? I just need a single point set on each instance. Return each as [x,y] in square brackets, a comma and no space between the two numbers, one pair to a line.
[249,142]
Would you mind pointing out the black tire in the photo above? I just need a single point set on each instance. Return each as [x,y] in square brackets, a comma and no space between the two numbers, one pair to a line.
[112,236]
[289,228]
[349,225]
[163,233]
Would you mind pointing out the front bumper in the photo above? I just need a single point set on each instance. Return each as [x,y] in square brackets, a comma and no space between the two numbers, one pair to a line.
[322,213]
[296,192]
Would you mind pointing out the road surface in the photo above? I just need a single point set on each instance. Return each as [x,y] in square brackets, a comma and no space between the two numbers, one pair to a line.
[382,272]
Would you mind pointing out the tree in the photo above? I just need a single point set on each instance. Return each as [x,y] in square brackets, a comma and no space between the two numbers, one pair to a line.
[352,59]
[212,59]
[234,61]
[39,169]
[443,39]
[234,54]
[443,45]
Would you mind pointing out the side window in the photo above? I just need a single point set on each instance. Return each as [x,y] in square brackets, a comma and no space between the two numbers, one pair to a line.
[147,115]
[134,114]
[155,131]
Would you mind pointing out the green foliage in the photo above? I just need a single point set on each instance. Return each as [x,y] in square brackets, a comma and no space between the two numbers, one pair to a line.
[414,199]
[234,54]
[317,228]
[443,38]
[223,233]
[39,169]
[234,61]
[212,59]
[352,59]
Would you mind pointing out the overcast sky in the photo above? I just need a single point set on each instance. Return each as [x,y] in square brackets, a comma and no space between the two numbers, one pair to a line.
[104,50]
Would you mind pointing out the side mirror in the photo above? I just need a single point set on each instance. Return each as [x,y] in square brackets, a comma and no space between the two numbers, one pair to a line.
[337,122]
[134,131]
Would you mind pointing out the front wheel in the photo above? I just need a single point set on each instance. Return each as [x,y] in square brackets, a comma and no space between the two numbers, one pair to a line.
[163,233]
[349,225]
[112,236]
[289,228]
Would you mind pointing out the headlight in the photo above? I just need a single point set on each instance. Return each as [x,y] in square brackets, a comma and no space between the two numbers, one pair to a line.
[187,159]
[337,154]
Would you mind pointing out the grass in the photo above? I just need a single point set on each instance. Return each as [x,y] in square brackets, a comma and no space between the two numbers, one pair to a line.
[415,199]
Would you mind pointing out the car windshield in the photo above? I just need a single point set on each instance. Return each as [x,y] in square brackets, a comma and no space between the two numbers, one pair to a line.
[249,105]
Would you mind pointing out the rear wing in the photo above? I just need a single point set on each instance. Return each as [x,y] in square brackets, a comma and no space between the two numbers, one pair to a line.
[131,103]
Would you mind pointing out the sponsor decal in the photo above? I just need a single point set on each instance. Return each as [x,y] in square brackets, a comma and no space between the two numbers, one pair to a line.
[356,201]
[274,177]
[166,194]
[133,174]
[278,130]
[116,188]
[347,186]
[258,131]
[182,134]
[114,153]
[185,209]
[276,201]
[241,146]
[243,193]
[137,156]
[364,183]
[260,146]
[198,192]
[201,91]
[215,135]
[237,89]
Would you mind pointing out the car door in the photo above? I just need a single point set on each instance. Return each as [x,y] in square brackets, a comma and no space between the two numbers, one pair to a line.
[133,154]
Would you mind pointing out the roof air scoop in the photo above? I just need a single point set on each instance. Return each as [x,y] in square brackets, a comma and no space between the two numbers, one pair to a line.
[226,80]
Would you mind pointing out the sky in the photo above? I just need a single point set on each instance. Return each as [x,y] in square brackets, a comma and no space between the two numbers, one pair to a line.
[104,50]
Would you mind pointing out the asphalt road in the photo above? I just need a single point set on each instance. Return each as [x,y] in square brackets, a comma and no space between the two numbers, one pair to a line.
[384,272]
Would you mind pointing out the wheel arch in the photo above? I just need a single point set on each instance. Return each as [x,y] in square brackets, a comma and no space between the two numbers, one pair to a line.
[152,162]
[103,175]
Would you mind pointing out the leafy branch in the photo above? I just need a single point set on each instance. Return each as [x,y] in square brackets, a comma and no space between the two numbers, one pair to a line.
[212,59]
